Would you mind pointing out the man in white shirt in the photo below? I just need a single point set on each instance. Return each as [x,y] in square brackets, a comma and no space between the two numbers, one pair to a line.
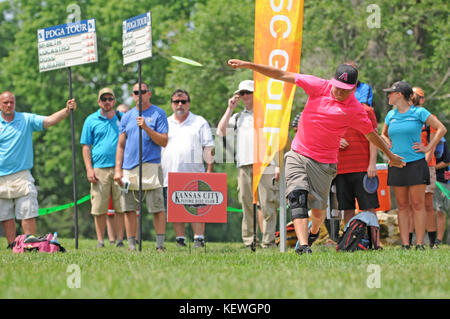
[241,124]
[190,142]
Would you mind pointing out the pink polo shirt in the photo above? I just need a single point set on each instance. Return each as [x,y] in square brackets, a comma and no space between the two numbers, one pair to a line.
[325,120]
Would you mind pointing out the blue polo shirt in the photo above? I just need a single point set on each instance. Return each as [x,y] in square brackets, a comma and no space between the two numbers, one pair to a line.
[102,134]
[16,142]
[156,119]
[404,129]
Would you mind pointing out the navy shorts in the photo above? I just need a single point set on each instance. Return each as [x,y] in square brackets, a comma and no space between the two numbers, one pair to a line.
[414,173]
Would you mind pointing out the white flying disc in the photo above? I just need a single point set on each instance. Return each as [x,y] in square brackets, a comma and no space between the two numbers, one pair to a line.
[186,60]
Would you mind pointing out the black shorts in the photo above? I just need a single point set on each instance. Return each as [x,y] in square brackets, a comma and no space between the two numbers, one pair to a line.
[165,197]
[414,173]
[350,186]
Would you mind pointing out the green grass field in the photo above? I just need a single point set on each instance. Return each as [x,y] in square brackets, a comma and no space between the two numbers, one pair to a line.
[224,271]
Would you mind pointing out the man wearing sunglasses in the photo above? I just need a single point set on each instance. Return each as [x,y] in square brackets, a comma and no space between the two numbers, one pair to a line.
[154,136]
[99,139]
[241,125]
[190,141]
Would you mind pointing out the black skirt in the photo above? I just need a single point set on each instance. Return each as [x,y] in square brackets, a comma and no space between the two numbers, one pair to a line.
[414,173]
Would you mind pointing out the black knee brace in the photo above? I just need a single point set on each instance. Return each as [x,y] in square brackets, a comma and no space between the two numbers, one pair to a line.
[298,203]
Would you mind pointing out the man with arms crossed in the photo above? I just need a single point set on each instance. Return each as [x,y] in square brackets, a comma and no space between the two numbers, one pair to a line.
[190,142]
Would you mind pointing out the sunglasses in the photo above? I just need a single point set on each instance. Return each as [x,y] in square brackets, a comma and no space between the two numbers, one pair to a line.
[242,93]
[142,92]
[178,101]
[104,99]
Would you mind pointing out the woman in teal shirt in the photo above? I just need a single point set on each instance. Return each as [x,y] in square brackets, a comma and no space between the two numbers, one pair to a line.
[401,132]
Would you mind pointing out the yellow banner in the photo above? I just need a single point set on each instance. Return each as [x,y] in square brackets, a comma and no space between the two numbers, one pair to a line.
[278,42]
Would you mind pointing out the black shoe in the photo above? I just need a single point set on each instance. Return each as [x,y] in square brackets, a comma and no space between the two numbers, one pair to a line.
[120,244]
[436,244]
[304,249]
[420,247]
[406,247]
[181,242]
[312,237]
[199,243]
[10,245]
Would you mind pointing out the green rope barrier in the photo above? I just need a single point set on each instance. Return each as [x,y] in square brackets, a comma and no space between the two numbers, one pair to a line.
[443,190]
[50,210]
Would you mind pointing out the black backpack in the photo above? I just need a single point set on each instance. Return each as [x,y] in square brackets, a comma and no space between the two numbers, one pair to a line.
[358,236]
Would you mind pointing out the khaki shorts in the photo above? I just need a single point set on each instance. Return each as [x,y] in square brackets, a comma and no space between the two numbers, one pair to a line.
[24,207]
[153,198]
[305,173]
[430,188]
[103,190]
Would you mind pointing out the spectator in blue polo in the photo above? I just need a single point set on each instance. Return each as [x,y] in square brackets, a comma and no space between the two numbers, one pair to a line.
[18,194]
[99,142]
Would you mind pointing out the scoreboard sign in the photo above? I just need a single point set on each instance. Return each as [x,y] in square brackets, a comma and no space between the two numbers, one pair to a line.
[67,45]
[137,38]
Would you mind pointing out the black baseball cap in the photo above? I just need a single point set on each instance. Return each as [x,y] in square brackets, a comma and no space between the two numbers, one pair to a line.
[346,77]
[402,87]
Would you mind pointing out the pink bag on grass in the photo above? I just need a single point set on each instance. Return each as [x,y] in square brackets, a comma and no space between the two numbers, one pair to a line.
[25,243]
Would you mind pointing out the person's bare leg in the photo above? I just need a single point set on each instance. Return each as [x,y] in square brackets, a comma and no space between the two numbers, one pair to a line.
[111,228]
[119,219]
[179,229]
[402,198]
[301,230]
[417,196]
[9,226]
[159,222]
[29,226]
[198,228]
[441,220]
[348,214]
[130,223]
[317,218]
[431,222]
[100,226]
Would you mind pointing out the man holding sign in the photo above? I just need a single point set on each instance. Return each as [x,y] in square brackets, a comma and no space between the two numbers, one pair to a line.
[18,194]
[154,136]
[311,163]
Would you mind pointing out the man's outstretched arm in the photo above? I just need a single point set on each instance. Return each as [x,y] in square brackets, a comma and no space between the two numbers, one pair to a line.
[266,70]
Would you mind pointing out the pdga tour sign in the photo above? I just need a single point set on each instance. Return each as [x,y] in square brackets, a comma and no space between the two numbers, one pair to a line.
[197,198]
[137,38]
[67,45]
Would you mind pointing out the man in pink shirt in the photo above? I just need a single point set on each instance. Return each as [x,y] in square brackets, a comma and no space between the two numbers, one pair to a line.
[311,164]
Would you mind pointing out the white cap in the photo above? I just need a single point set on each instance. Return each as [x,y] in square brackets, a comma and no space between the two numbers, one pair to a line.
[247,85]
